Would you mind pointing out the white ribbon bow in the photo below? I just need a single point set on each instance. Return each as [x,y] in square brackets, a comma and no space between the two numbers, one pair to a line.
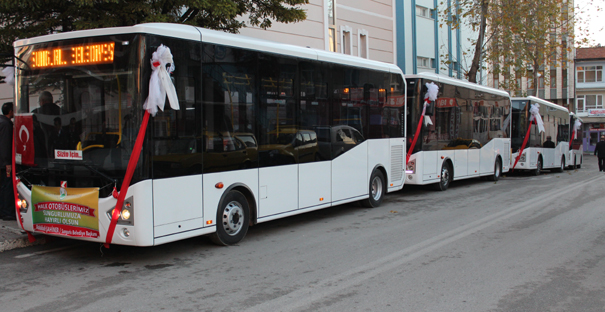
[9,73]
[535,113]
[576,127]
[160,84]
[431,95]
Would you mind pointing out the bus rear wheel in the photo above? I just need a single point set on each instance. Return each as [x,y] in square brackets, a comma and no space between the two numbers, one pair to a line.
[232,219]
[580,164]
[446,177]
[378,188]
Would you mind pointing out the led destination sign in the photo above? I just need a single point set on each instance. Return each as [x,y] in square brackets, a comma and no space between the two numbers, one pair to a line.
[73,55]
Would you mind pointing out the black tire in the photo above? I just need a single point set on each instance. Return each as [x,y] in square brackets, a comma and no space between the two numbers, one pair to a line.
[538,167]
[497,171]
[562,167]
[378,188]
[574,166]
[232,219]
[445,177]
[580,164]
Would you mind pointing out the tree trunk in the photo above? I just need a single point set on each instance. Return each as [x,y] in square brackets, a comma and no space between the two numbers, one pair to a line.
[472,73]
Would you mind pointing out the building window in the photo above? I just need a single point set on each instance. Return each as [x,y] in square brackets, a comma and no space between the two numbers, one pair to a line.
[332,26]
[553,78]
[423,62]
[425,12]
[590,73]
[332,34]
[589,101]
[345,43]
[362,47]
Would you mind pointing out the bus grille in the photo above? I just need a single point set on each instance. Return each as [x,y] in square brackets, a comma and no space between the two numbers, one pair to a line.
[396,162]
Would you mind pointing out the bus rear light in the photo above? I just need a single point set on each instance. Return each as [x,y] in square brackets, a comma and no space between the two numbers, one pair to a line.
[22,204]
[219,185]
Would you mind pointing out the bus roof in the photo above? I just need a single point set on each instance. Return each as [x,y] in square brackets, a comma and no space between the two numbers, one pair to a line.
[218,37]
[541,102]
[458,82]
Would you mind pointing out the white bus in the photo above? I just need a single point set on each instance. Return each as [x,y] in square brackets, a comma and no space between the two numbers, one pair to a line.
[547,150]
[469,135]
[264,131]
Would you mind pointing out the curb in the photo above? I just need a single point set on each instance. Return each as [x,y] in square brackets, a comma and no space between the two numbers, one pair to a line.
[12,237]
[20,243]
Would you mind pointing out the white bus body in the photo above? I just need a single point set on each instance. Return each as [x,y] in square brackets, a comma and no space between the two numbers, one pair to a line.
[536,156]
[471,139]
[264,131]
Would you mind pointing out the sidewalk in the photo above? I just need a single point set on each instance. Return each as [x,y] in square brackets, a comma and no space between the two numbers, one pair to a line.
[12,236]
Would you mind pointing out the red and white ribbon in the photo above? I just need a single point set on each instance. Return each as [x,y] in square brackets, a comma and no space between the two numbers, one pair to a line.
[535,114]
[574,134]
[431,96]
[160,84]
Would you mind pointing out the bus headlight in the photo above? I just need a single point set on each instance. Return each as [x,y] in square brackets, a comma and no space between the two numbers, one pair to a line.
[126,216]
[22,204]
[522,158]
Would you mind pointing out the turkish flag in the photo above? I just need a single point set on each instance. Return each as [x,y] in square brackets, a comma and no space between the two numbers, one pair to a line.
[24,140]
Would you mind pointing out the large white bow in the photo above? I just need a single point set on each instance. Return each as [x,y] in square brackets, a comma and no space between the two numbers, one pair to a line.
[431,95]
[576,127]
[535,113]
[9,73]
[160,84]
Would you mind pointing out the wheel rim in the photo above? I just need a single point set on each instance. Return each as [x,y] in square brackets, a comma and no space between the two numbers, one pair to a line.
[233,218]
[376,188]
[445,176]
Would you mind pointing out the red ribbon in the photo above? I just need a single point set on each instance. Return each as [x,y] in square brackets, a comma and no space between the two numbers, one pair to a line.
[30,237]
[132,163]
[523,146]
[407,157]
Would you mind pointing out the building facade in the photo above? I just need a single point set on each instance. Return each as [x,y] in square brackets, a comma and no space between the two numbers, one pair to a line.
[360,28]
[590,90]
[426,43]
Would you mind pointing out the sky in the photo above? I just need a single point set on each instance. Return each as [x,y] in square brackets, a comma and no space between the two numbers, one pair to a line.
[591,17]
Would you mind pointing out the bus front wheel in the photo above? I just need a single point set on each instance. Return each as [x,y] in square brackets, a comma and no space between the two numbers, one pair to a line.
[232,219]
[445,178]
[378,187]
[538,167]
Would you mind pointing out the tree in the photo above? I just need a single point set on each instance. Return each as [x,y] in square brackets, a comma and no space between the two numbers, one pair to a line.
[515,36]
[29,18]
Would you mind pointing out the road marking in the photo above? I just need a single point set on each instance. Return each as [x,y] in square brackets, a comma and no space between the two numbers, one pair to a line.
[304,297]
[37,253]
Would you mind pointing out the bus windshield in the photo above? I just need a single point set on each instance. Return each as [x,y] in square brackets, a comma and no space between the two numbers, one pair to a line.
[76,117]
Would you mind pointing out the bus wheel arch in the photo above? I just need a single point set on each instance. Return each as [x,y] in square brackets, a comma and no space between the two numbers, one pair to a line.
[497,170]
[233,216]
[377,188]
[446,175]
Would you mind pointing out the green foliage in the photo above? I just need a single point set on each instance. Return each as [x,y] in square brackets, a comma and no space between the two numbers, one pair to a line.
[29,18]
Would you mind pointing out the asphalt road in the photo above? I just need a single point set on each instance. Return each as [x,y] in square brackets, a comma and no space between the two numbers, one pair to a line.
[523,243]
